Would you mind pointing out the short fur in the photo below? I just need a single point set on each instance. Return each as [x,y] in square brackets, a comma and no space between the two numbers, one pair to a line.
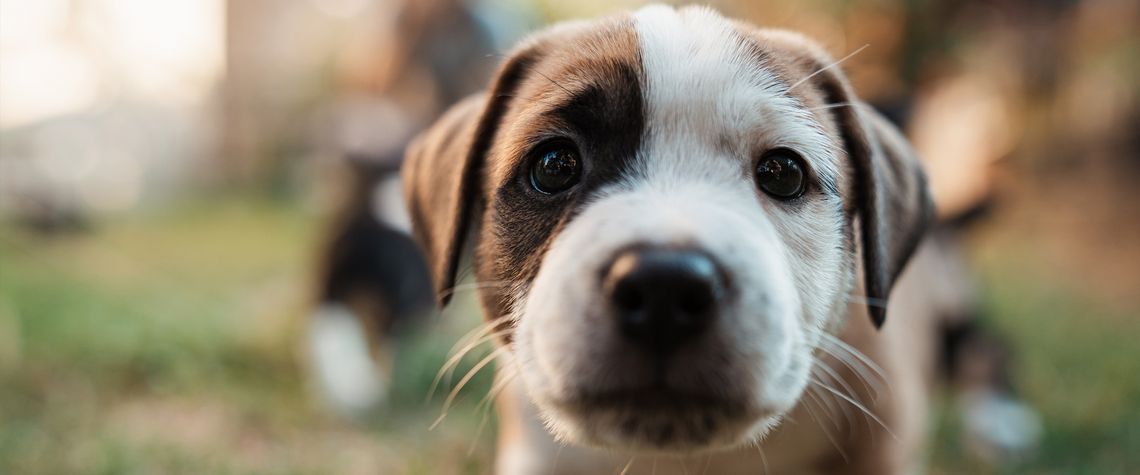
[670,109]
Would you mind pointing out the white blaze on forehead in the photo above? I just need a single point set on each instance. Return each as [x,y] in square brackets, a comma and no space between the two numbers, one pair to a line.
[712,105]
[705,87]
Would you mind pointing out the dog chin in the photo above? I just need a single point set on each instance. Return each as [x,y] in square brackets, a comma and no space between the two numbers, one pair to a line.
[658,423]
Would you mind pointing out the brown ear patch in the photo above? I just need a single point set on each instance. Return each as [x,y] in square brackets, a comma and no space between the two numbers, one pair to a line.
[469,172]
[891,196]
[587,91]
[889,193]
[442,168]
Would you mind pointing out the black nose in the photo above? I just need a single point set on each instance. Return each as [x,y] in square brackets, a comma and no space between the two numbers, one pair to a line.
[663,296]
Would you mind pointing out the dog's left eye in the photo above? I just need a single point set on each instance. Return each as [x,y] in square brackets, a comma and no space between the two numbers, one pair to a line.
[556,168]
[780,173]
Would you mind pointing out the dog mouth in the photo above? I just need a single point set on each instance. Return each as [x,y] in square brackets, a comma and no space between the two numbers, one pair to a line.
[655,398]
[659,418]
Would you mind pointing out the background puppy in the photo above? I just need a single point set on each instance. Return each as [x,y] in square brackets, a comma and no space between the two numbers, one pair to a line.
[671,214]
[371,279]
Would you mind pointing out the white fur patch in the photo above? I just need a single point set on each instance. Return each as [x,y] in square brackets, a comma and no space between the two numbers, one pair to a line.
[704,87]
[999,427]
[711,108]
[347,375]
[388,204]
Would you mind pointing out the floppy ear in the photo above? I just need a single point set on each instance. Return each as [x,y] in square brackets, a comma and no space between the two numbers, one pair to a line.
[442,173]
[891,196]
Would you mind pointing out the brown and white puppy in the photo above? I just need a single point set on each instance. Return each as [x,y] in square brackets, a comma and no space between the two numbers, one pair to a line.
[671,213]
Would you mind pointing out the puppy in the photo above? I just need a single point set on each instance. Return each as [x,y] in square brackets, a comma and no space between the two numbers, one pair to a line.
[372,284]
[686,230]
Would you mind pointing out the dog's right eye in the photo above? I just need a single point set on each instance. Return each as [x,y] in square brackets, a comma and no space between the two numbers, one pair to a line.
[556,168]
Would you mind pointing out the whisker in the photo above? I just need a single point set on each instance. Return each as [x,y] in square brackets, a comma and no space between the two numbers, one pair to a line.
[463,382]
[478,436]
[830,372]
[763,457]
[449,366]
[498,387]
[475,286]
[447,370]
[857,405]
[843,409]
[484,406]
[552,81]
[835,105]
[827,405]
[868,301]
[851,392]
[708,462]
[823,427]
[866,360]
[557,455]
[627,465]
[474,334]
[846,414]
[464,273]
[873,387]
[832,65]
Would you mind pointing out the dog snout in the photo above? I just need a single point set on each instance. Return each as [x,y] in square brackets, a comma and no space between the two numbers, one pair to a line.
[663,297]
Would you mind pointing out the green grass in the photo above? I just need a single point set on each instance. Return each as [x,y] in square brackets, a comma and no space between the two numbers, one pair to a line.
[168,343]
[1078,361]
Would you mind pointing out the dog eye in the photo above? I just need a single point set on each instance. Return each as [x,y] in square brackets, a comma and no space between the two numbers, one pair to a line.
[556,169]
[780,173]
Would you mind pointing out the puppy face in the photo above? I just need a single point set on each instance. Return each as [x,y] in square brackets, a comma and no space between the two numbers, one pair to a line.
[664,209]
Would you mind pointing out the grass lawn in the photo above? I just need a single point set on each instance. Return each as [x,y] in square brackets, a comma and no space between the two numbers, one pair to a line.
[167,342]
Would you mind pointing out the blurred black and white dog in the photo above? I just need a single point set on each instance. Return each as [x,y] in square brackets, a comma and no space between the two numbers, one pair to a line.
[372,281]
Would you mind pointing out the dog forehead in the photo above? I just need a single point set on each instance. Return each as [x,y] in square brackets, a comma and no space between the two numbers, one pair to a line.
[679,75]
[716,82]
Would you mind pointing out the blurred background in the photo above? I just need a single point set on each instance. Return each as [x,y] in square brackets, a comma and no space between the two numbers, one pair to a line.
[176,178]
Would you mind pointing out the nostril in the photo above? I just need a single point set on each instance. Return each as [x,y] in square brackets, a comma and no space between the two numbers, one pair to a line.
[696,300]
[627,296]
